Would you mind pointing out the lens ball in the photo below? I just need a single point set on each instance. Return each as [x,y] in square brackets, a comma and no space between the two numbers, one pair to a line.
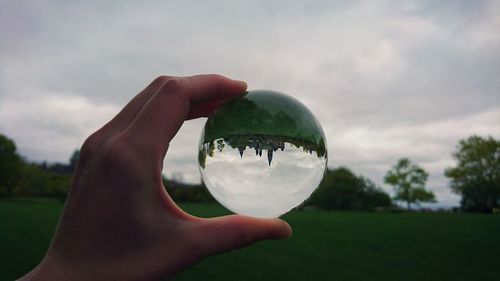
[262,154]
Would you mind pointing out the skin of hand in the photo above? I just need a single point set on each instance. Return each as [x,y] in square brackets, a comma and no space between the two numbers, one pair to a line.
[119,223]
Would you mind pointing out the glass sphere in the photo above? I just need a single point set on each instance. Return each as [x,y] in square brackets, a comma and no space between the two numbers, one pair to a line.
[262,154]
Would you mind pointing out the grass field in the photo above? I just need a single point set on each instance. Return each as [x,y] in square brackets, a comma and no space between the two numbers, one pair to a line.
[325,246]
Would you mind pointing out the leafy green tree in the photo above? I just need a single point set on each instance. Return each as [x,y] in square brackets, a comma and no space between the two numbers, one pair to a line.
[10,165]
[409,180]
[477,173]
[373,195]
[33,183]
[37,182]
[341,189]
[422,195]
[58,185]
[337,190]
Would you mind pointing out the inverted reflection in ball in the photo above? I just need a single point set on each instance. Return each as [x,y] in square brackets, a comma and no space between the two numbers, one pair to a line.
[263,154]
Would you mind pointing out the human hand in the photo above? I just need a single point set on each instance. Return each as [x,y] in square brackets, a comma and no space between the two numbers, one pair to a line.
[119,223]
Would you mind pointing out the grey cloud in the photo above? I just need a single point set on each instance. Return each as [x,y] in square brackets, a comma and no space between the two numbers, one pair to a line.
[386,79]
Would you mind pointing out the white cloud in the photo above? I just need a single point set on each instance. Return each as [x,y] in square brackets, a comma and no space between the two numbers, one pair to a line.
[51,126]
[386,79]
[372,151]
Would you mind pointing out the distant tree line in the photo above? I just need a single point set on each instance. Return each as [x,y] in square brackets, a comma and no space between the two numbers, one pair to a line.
[476,177]
[18,177]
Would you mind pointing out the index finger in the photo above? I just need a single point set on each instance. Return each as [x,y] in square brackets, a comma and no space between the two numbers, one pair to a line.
[162,116]
[212,88]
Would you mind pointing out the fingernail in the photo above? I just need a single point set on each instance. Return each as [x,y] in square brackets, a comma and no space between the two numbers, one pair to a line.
[242,82]
[288,232]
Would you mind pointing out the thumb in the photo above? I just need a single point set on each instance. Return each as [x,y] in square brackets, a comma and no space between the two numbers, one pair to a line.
[235,231]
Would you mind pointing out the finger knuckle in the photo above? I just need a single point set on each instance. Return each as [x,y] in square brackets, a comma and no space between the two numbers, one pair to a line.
[215,76]
[115,154]
[172,86]
[89,147]
[161,79]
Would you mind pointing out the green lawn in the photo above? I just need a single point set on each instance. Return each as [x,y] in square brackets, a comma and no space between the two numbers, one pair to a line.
[325,246]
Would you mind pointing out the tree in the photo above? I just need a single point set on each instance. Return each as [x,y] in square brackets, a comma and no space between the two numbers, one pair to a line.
[477,173]
[341,189]
[373,195]
[337,190]
[33,183]
[409,180]
[58,185]
[10,165]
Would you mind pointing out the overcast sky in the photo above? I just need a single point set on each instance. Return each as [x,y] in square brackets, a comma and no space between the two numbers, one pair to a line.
[386,79]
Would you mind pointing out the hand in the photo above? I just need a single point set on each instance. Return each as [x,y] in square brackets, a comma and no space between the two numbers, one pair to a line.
[119,223]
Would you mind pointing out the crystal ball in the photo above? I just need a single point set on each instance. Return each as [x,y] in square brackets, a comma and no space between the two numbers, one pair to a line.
[262,154]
